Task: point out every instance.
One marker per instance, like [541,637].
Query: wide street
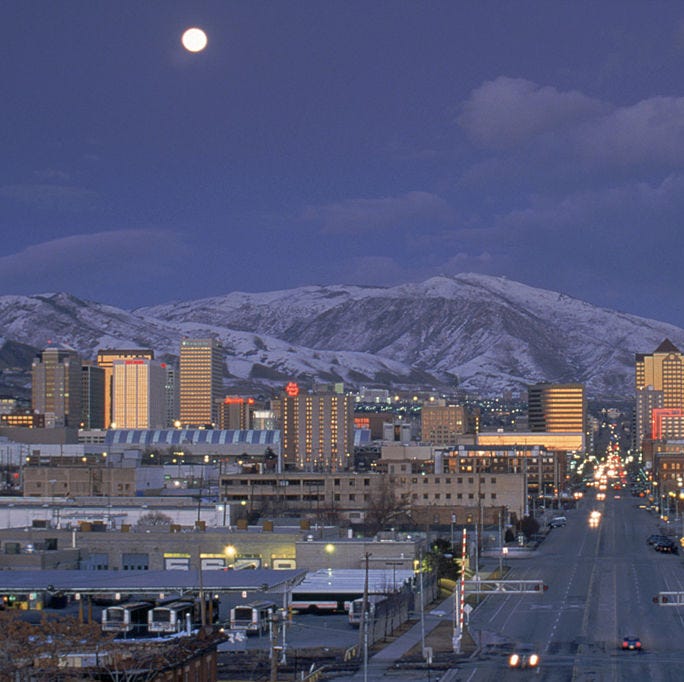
[601,583]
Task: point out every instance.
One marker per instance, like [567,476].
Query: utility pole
[363,635]
[500,546]
[275,622]
[422,604]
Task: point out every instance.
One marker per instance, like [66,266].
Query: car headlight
[534,659]
[514,660]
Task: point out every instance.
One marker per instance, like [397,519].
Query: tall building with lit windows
[56,387]
[441,424]
[105,359]
[318,429]
[557,408]
[139,396]
[236,413]
[659,383]
[664,370]
[201,381]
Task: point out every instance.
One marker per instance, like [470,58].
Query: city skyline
[354,143]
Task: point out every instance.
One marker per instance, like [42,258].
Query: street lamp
[329,550]
[230,552]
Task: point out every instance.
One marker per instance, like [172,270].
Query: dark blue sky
[369,142]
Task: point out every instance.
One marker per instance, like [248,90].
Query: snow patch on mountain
[478,332]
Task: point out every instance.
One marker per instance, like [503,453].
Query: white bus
[374,603]
[254,618]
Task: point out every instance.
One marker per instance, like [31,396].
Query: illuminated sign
[292,389]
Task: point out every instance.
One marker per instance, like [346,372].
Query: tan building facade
[105,359]
[442,424]
[138,394]
[317,430]
[201,381]
[557,408]
[78,481]
[659,384]
[56,387]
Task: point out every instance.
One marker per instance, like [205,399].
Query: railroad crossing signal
[669,599]
[505,586]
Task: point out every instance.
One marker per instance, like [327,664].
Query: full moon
[194,40]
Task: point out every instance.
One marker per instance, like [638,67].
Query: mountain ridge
[476,332]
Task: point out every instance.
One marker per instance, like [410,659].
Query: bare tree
[36,652]
[154,518]
[144,660]
[384,507]
[45,652]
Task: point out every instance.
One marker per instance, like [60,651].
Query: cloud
[506,112]
[651,131]
[359,215]
[558,127]
[62,262]
[49,197]
[619,207]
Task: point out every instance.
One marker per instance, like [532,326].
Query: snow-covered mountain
[481,333]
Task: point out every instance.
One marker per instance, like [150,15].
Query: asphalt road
[601,583]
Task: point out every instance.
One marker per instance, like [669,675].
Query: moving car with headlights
[524,657]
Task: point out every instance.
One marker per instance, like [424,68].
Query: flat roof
[99,582]
[352,580]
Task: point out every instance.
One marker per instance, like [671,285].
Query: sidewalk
[380,662]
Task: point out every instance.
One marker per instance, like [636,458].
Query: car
[666,546]
[556,523]
[655,538]
[524,657]
[631,643]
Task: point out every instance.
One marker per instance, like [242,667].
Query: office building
[441,424]
[659,384]
[105,359]
[201,382]
[172,395]
[557,408]
[138,394]
[92,397]
[236,413]
[318,429]
[664,371]
[56,387]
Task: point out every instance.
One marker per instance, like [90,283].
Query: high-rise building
[659,383]
[318,429]
[139,400]
[557,408]
[648,399]
[105,359]
[172,395]
[201,381]
[664,370]
[56,387]
[236,413]
[92,396]
[441,424]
